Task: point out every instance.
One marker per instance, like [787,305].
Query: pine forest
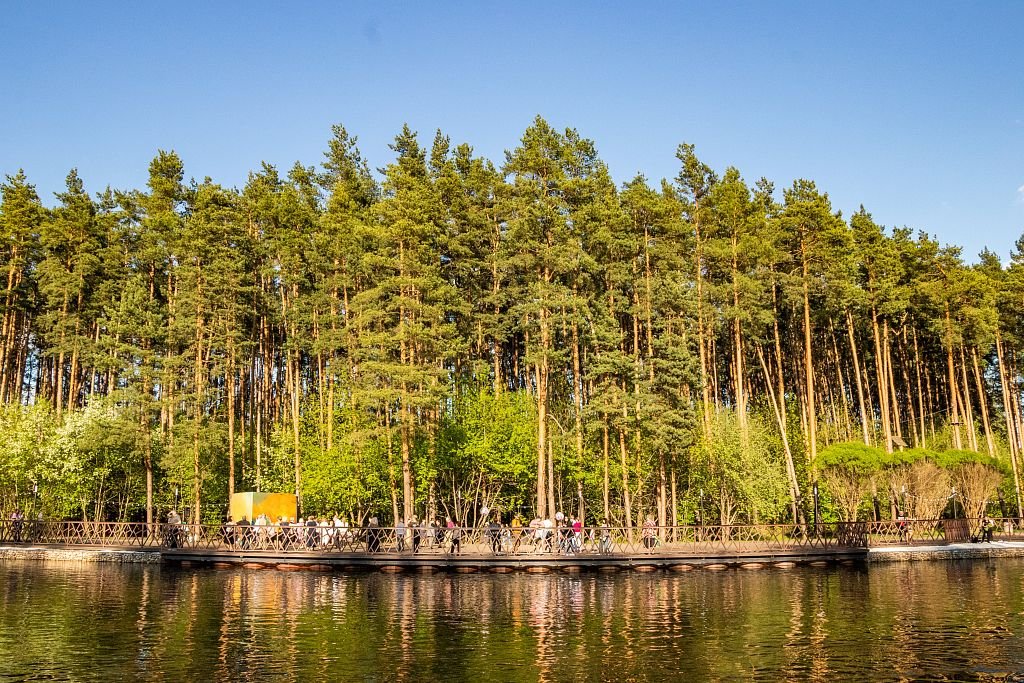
[448,333]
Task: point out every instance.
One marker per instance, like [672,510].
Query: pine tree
[21,219]
[817,238]
[72,239]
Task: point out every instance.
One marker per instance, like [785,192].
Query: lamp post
[814,491]
[35,522]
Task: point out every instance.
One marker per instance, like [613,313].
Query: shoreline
[951,551]
[76,554]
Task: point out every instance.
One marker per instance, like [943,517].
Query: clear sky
[915,109]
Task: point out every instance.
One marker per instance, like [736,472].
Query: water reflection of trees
[135,622]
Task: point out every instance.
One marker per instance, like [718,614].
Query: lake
[101,622]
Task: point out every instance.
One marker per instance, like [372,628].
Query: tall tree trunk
[812,415]
[737,344]
[778,407]
[1011,431]
[198,388]
[407,488]
[296,423]
[147,436]
[705,374]
[577,374]
[495,290]
[605,469]
[951,378]
[856,373]
[230,386]
[894,406]
[920,394]
[882,378]
[58,392]
[989,440]
[841,388]
[542,439]
[968,408]
[627,500]
[909,396]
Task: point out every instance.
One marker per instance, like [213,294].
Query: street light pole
[814,490]
[700,508]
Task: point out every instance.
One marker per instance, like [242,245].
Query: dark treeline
[451,333]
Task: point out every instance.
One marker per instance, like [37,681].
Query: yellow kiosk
[250,505]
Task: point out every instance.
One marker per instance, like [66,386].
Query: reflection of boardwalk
[480,559]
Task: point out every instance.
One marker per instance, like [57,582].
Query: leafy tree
[847,470]
[975,478]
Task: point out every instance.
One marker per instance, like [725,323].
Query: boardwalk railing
[507,541]
[940,531]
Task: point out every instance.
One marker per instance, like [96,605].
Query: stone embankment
[79,554]
[952,551]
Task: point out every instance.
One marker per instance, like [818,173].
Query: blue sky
[915,109]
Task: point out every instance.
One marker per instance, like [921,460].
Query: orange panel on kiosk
[250,505]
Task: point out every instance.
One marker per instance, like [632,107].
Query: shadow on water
[944,620]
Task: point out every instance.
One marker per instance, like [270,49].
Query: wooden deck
[602,549]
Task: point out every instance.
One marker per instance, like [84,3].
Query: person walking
[605,541]
[455,537]
[244,532]
[400,536]
[373,535]
[988,527]
[416,529]
[173,529]
[547,535]
[17,521]
[494,535]
[577,535]
[311,525]
[650,538]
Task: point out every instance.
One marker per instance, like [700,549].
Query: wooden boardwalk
[671,548]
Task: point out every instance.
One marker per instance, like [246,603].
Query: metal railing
[110,534]
[941,531]
[688,540]
[696,540]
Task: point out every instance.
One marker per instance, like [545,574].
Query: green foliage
[345,480]
[853,457]
[85,464]
[847,470]
[952,459]
[493,438]
[745,480]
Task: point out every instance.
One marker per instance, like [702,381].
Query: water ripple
[918,621]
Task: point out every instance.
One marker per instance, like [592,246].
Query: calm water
[945,620]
